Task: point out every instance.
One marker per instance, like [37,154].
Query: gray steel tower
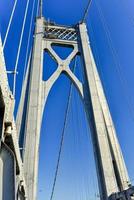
[112,174]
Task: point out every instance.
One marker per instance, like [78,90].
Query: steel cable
[118,69]
[29,37]
[62,136]
[37,11]
[123,81]
[19,47]
[10,22]
[86,11]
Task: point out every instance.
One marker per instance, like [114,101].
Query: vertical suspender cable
[10,22]
[62,141]
[19,48]
[29,37]
[41,8]
[118,69]
[37,11]
[63,135]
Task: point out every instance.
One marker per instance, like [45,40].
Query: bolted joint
[63,66]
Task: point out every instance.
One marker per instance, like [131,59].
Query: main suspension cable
[29,36]
[63,135]
[86,11]
[9,24]
[19,48]
[38,5]
[41,8]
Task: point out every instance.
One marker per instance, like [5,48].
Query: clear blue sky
[111,30]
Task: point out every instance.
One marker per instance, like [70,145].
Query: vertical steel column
[34,95]
[112,173]
[34,114]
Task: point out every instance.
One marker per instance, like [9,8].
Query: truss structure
[60,33]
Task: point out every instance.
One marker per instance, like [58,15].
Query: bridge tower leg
[112,174]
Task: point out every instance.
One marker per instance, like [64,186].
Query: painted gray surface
[112,173]
[106,146]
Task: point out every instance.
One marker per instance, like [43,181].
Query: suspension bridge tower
[113,179]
